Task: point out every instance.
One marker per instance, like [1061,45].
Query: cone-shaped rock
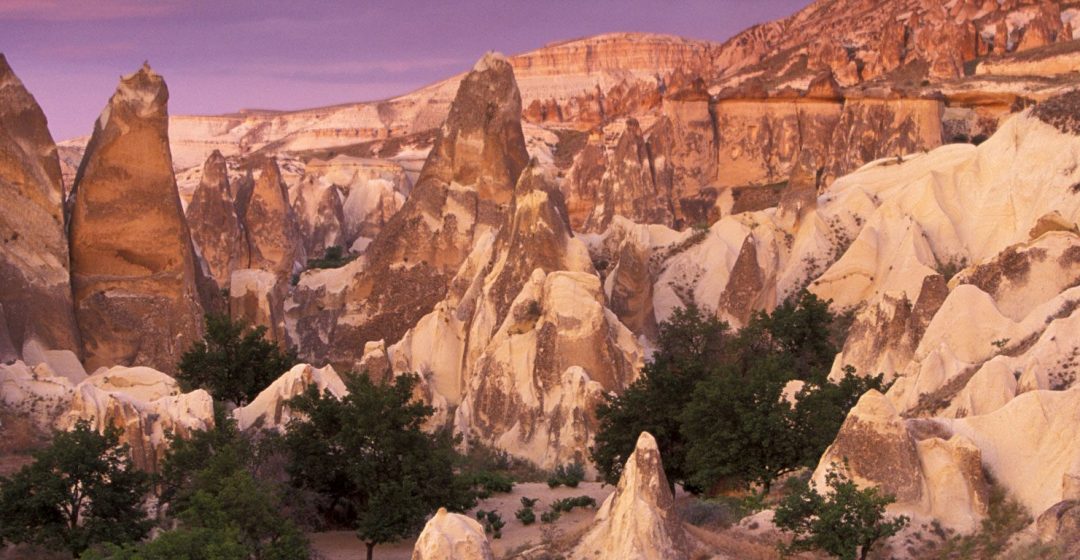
[452,536]
[321,216]
[133,267]
[463,193]
[638,520]
[35,293]
[274,239]
[215,226]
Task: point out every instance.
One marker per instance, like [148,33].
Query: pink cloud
[80,10]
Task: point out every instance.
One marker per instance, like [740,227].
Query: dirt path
[343,545]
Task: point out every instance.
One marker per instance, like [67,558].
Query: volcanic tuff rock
[257,297]
[132,263]
[318,208]
[638,520]
[216,230]
[268,410]
[452,536]
[274,239]
[35,301]
[463,192]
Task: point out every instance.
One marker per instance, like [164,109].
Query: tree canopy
[234,362]
[80,490]
[368,459]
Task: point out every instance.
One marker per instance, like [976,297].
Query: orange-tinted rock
[273,233]
[132,263]
[215,228]
[35,289]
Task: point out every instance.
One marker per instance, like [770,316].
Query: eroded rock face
[638,520]
[452,536]
[268,410]
[274,239]
[463,192]
[35,298]
[318,208]
[216,230]
[132,263]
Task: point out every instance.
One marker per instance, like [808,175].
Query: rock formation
[462,193]
[319,211]
[268,410]
[215,227]
[274,240]
[452,536]
[132,263]
[35,298]
[638,520]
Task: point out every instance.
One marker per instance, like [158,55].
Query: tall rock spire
[133,267]
[35,293]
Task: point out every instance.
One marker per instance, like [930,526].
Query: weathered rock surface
[638,520]
[452,536]
[319,211]
[35,289]
[274,239]
[463,192]
[257,297]
[268,410]
[216,229]
[132,263]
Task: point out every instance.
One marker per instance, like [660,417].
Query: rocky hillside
[516,234]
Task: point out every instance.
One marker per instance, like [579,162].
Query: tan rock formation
[463,192]
[268,410]
[319,211]
[257,297]
[216,230]
[37,392]
[452,536]
[638,520]
[133,267]
[274,239]
[35,297]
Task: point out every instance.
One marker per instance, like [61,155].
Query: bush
[492,522]
[486,483]
[565,505]
[550,516]
[846,522]
[333,257]
[525,515]
[570,475]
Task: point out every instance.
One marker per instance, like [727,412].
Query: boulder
[638,520]
[35,298]
[452,536]
[132,264]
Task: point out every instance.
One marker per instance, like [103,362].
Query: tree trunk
[370,550]
[862,554]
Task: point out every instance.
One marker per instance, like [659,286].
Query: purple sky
[219,56]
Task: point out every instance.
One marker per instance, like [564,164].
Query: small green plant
[1000,343]
[565,505]
[486,483]
[550,516]
[845,521]
[569,475]
[529,502]
[492,522]
[333,257]
[526,515]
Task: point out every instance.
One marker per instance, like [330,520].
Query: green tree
[233,362]
[368,459]
[820,410]
[800,331]
[80,490]
[739,427]
[208,478]
[690,345]
[846,522]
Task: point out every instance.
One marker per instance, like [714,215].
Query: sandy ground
[343,545]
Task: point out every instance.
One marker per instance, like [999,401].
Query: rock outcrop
[274,239]
[452,536]
[319,211]
[216,230]
[463,192]
[35,289]
[268,410]
[132,263]
[638,520]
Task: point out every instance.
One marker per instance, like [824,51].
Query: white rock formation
[637,521]
[268,409]
[452,536]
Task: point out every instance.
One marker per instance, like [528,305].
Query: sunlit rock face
[132,263]
[273,233]
[638,520]
[462,194]
[216,229]
[452,536]
[35,298]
